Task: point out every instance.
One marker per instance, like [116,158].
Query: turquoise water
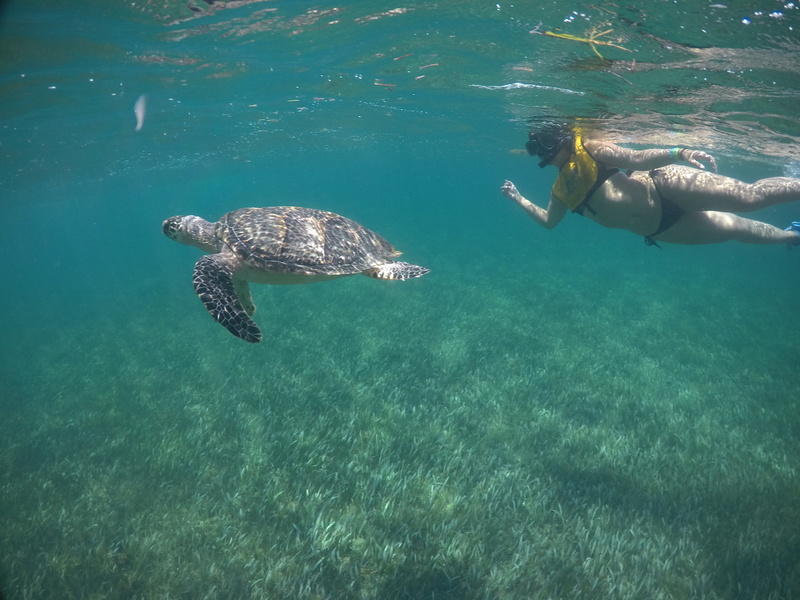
[547,414]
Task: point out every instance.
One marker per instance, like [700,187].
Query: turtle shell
[292,239]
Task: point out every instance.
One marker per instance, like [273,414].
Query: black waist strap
[602,177]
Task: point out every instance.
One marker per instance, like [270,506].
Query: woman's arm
[644,160]
[546,218]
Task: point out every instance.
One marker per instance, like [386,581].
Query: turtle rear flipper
[397,271]
[242,289]
[213,282]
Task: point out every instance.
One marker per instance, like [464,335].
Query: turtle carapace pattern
[279,245]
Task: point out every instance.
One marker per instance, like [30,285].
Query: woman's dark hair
[547,141]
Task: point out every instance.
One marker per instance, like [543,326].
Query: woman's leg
[711,227]
[696,190]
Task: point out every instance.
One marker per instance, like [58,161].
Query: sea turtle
[278,244]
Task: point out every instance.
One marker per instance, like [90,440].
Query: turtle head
[172,228]
[190,230]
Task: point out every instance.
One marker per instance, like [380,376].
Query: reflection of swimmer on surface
[655,198]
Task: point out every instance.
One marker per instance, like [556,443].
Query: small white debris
[139,108]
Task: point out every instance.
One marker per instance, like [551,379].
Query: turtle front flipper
[397,271]
[213,282]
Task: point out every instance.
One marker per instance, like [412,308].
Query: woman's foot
[795,226]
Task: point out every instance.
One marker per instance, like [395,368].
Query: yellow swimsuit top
[577,177]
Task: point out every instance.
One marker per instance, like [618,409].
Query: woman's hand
[693,157]
[510,191]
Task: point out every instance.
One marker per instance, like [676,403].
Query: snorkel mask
[547,142]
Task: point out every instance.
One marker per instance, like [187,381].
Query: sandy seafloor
[547,414]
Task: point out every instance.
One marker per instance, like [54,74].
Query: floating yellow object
[591,40]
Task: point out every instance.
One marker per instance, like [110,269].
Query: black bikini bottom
[670,212]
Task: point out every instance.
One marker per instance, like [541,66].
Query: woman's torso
[626,202]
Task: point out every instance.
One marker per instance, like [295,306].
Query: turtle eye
[171,227]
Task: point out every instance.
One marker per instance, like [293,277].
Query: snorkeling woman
[647,193]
